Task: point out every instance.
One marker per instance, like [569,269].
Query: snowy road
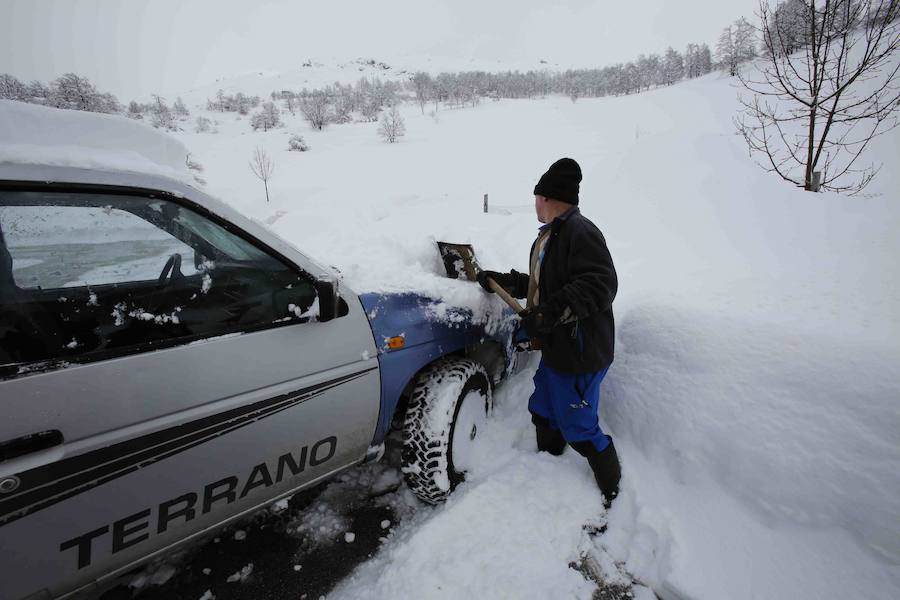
[299,551]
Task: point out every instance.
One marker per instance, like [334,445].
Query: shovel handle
[510,301]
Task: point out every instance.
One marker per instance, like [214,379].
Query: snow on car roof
[34,134]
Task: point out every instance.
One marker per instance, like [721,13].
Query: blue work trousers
[570,403]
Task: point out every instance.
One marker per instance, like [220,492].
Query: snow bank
[757,448]
[33,134]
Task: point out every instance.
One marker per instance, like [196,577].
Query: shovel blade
[459,260]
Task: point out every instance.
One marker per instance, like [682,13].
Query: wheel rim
[469,425]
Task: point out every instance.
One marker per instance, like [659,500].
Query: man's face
[540,207]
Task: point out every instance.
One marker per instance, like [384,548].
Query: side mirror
[328,292]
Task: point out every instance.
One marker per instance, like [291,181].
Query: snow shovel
[460,263]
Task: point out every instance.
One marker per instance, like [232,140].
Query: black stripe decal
[49,484]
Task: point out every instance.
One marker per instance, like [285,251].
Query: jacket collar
[558,221]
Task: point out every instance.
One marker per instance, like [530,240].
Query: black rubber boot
[548,439]
[605,465]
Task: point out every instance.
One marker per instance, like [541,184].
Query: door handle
[32,442]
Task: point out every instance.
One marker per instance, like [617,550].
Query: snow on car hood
[33,134]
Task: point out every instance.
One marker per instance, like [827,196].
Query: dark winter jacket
[577,272]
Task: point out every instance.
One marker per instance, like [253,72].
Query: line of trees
[70,91]
[366,99]
[159,113]
[238,103]
[339,103]
[75,92]
[645,72]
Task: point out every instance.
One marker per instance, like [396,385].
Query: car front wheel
[447,411]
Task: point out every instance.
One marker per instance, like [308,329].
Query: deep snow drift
[755,397]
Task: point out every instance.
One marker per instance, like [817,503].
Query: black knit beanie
[560,182]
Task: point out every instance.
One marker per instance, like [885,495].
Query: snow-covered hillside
[756,393]
[755,397]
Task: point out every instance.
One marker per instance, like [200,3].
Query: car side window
[86,276]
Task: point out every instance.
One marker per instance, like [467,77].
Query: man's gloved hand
[506,280]
[483,276]
[539,320]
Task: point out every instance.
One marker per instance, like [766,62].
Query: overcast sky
[134,47]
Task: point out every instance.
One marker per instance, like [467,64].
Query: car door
[160,373]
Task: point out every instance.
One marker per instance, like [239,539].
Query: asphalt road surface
[299,552]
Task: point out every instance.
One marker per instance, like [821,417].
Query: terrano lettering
[136,528]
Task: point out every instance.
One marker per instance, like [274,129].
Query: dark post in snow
[816,181]
[485,203]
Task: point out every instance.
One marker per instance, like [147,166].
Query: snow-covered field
[755,397]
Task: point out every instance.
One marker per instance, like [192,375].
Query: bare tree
[672,66]
[792,31]
[650,70]
[11,88]
[315,109]
[290,102]
[811,114]
[267,118]
[421,82]
[370,110]
[75,92]
[181,111]
[392,126]
[263,167]
[135,110]
[161,115]
[343,108]
[745,40]
[203,124]
[297,144]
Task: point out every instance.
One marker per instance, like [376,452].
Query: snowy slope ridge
[33,134]
[320,72]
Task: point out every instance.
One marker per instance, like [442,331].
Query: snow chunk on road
[242,575]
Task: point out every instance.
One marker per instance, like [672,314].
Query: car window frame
[17,370]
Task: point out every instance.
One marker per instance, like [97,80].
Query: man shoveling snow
[568,316]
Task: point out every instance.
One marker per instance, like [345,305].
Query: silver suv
[167,365]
